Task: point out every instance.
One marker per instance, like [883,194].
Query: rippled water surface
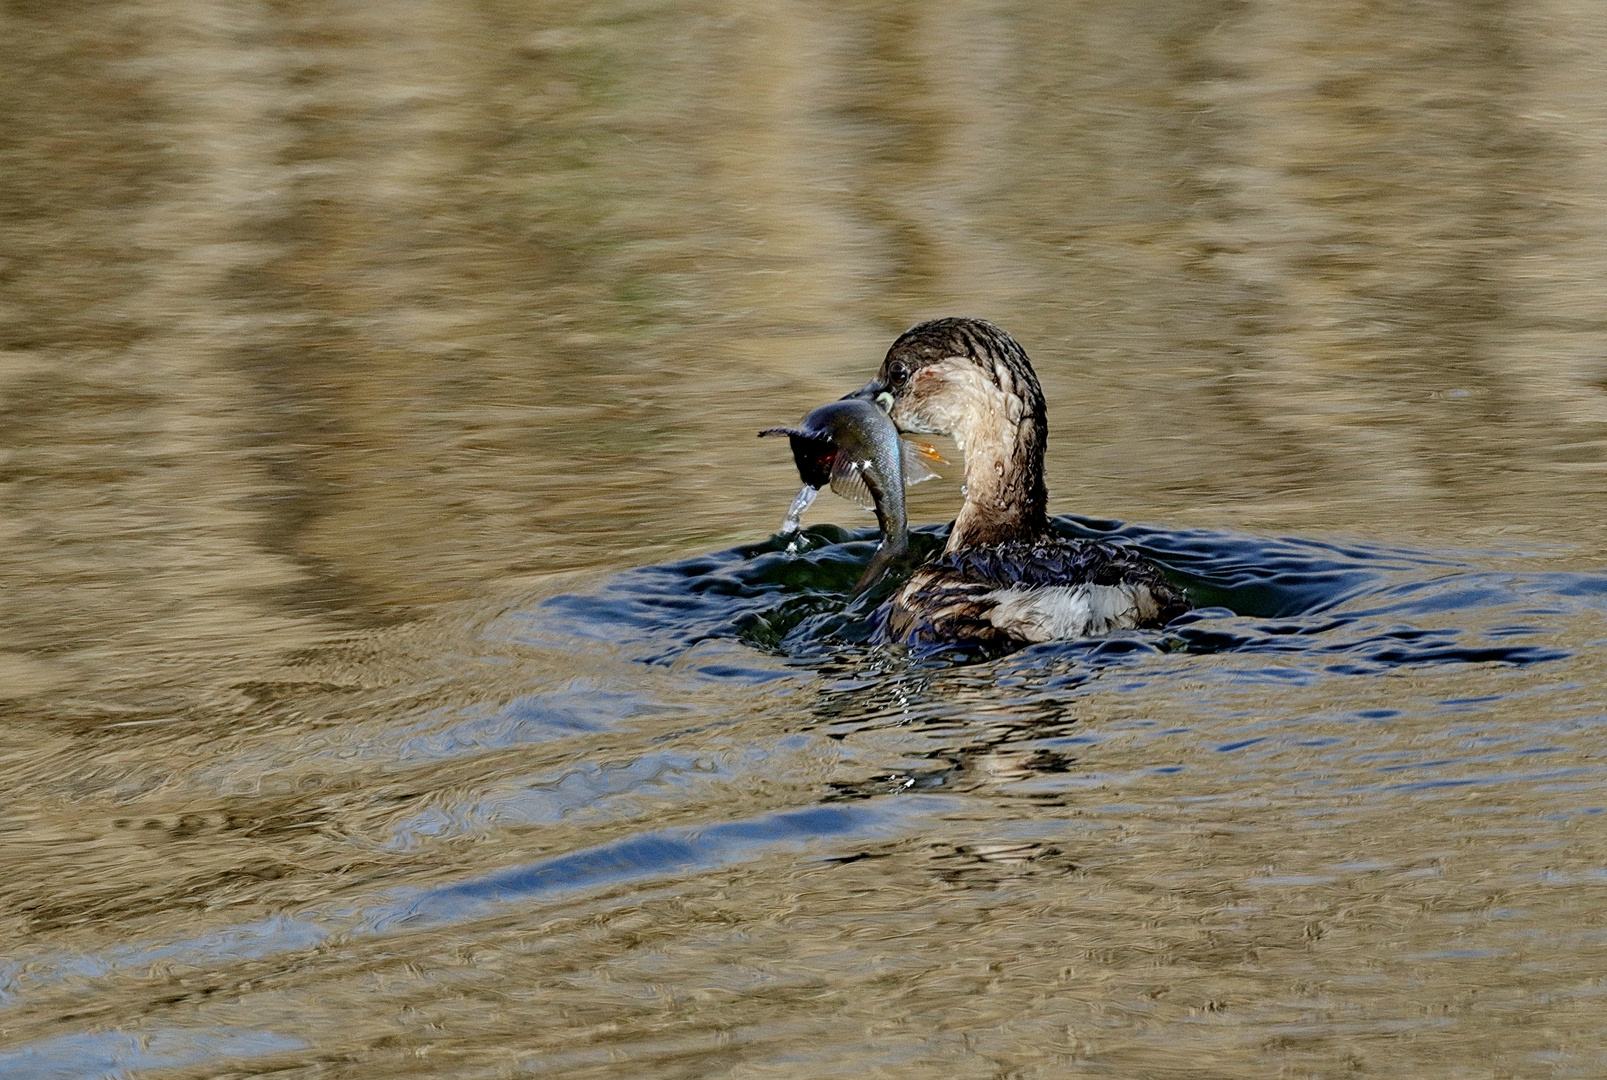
[399,677]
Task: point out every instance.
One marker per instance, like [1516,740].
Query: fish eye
[898,374]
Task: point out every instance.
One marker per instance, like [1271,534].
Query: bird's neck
[1005,497]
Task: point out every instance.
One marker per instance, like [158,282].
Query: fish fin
[848,480]
[778,431]
[916,455]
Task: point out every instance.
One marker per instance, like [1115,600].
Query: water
[399,676]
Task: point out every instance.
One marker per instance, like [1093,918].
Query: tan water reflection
[331,331]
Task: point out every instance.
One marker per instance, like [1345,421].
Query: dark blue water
[1346,607]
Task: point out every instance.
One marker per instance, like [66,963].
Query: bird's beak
[874,391]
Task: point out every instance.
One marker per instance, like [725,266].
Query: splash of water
[804,500]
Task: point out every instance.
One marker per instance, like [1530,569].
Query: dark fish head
[849,445]
[814,454]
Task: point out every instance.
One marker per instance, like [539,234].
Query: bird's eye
[898,374]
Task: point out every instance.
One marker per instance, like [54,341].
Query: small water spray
[805,499]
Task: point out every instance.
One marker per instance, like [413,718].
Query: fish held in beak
[852,447]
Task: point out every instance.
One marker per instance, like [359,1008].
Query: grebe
[1004,580]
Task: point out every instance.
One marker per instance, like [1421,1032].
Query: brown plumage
[1004,579]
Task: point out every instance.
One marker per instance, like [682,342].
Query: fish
[852,447]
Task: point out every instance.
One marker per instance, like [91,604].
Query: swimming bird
[1004,579]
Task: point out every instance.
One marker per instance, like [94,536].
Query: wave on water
[1346,607]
